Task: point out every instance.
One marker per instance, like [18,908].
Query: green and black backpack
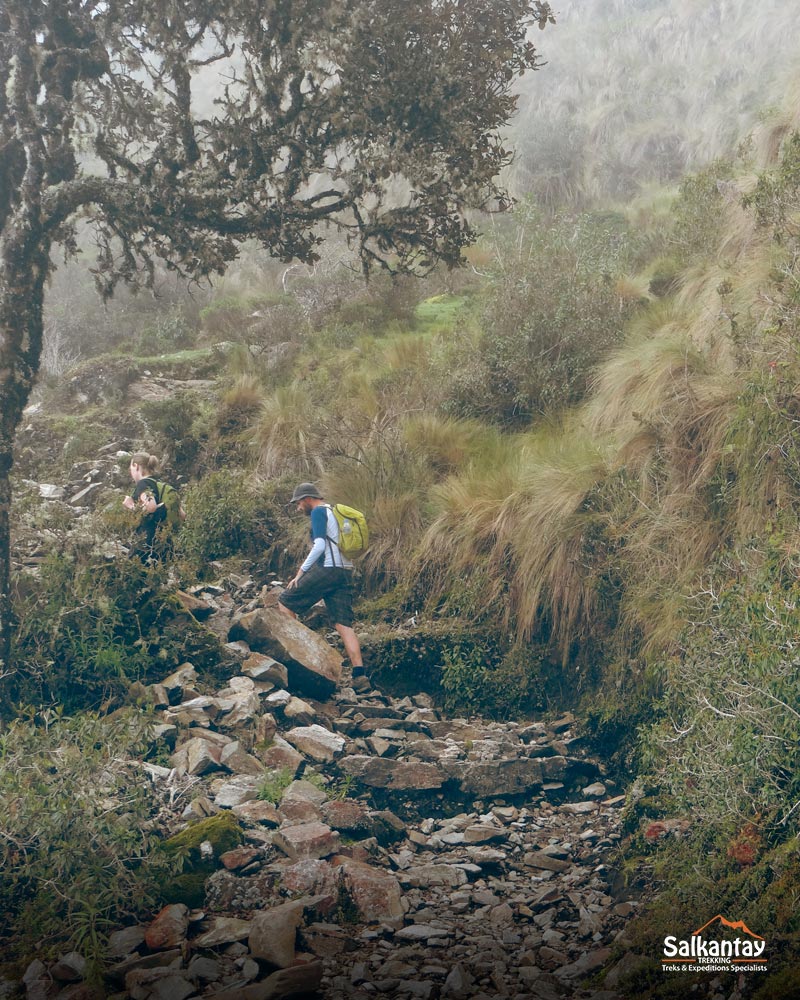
[169,496]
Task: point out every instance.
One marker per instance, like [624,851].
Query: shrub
[81,623]
[729,746]
[169,332]
[173,427]
[89,627]
[698,216]
[256,319]
[227,514]
[77,855]
[552,312]
[491,682]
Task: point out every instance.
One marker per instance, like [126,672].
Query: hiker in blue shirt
[325,574]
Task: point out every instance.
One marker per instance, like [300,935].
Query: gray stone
[434,875]
[223,930]
[237,760]
[316,742]
[273,933]
[264,668]
[298,710]
[314,667]
[459,983]
[301,979]
[391,774]
[307,840]
[257,813]
[421,932]
[238,790]
[496,779]
[124,942]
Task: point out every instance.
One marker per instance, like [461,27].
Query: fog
[637,92]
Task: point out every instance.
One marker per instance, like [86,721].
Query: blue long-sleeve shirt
[324,537]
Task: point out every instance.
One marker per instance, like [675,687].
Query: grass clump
[274,784]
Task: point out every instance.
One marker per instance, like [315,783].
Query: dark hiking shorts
[323,583]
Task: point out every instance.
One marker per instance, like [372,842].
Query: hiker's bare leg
[351,644]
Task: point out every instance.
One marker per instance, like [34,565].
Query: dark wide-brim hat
[305,490]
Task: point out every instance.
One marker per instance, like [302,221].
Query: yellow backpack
[353,530]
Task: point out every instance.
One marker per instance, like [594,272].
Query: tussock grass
[408,352]
[447,444]
[246,392]
[642,380]
[520,528]
[284,435]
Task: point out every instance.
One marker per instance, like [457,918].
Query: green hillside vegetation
[581,468]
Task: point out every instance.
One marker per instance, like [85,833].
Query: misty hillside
[636,92]
[579,459]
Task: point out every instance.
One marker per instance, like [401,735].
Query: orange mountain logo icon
[735,925]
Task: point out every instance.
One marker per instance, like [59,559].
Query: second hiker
[159,507]
[325,574]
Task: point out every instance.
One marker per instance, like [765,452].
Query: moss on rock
[222,831]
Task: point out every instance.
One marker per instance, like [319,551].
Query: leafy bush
[385,300]
[174,427]
[227,514]
[257,319]
[491,683]
[78,625]
[730,742]
[89,628]
[552,313]
[698,215]
[78,852]
[169,332]
[776,193]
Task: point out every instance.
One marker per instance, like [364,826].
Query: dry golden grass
[408,352]
[246,391]
[633,288]
[642,379]
[447,444]
[519,530]
[284,435]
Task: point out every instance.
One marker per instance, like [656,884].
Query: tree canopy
[176,130]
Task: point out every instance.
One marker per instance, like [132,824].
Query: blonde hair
[147,463]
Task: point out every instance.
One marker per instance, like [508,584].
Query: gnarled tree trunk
[23,270]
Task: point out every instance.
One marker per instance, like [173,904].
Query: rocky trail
[380,849]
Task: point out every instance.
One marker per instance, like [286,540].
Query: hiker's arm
[128,503]
[319,526]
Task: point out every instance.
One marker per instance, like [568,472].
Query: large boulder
[314,668]
[396,775]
